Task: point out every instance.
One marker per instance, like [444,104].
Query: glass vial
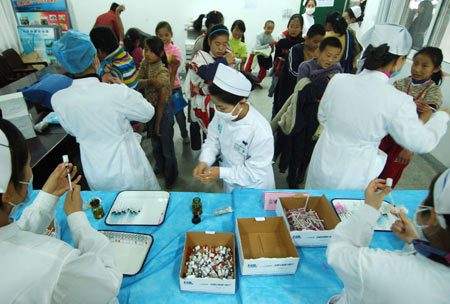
[97,209]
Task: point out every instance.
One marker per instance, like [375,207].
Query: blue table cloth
[158,282]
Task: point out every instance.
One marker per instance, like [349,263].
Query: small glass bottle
[97,209]
[196,210]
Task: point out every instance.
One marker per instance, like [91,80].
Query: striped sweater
[123,67]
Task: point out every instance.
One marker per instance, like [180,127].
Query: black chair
[6,73]
[16,63]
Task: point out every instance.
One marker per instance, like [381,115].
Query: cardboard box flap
[318,203]
[265,239]
[212,239]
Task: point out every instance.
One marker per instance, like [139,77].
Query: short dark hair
[315,30]
[338,23]
[296,16]
[104,39]
[161,25]
[306,3]
[436,57]
[269,21]
[114,6]
[216,31]
[377,57]
[18,149]
[330,41]
[241,26]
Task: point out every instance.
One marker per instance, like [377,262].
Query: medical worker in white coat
[98,115]
[418,274]
[357,111]
[36,268]
[238,134]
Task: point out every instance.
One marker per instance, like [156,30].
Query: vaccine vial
[196,210]
[97,209]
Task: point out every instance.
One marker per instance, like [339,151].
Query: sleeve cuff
[46,201]
[441,115]
[77,220]
[224,172]
[207,160]
[368,214]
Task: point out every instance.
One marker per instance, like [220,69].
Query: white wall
[146,14]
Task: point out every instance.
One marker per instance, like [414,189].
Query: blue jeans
[163,147]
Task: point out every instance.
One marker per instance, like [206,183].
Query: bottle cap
[95,202]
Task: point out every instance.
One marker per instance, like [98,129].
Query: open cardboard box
[265,247]
[208,285]
[270,197]
[320,204]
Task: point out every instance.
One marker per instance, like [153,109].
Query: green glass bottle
[196,210]
[97,209]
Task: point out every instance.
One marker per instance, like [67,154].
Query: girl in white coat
[357,111]
[36,268]
[418,274]
[238,134]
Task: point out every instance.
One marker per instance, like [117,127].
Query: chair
[16,63]
[7,74]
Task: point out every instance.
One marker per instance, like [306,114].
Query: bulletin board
[42,13]
[324,7]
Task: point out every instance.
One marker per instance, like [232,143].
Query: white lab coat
[381,276]
[308,21]
[246,151]
[36,268]
[356,112]
[99,115]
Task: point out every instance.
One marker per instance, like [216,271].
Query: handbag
[178,102]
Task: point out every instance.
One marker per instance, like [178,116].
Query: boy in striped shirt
[115,61]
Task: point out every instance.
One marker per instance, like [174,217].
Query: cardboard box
[208,285]
[320,204]
[270,198]
[265,247]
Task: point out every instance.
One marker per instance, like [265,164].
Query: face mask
[17,207]
[228,116]
[310,10]
[420,228]
[396,73]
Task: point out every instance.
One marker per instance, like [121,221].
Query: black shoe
[169,184]
[292,184]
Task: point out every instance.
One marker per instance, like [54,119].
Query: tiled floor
[416,176]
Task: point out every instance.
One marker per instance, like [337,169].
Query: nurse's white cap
[441,195]
[5,162]
[356,11]
[395,36]
[232,81]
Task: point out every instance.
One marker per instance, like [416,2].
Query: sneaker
[186,140]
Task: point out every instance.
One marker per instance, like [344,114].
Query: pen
[66,164]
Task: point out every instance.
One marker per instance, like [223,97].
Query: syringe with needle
[66,164]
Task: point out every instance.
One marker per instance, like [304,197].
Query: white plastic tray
[152,205]
[384,222]
[130,250]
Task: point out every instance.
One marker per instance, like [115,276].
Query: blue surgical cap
[74,51]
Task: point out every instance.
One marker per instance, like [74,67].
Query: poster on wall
[325,3]
[42,13]
[39,39]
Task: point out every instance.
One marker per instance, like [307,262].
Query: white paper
[325,3]
[14,109]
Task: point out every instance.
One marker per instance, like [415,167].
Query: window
[426,20]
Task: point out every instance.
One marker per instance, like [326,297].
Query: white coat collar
[375,74]
[84,81]
[8,231]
